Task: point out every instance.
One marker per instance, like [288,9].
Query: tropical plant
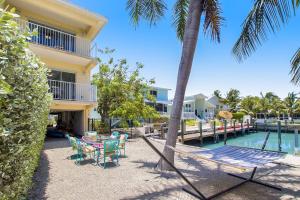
[266,102]
[292,104]
[238,115]
[218,94]
[232,100]
[266,16]
[187,16]
[24,109]
[277,107]
[121,94]
[249,105]
[295,69]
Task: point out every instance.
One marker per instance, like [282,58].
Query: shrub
[23,111]
[191,122]
[238,115]
[161,119]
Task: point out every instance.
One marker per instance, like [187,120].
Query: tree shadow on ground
[54,143]
[212,180]
[40,179]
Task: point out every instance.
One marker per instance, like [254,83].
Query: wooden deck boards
[195,134]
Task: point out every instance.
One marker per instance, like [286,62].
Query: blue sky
[214,66]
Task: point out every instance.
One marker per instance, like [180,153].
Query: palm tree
[295,70]
[292,105]
[249,105]
[266,102]
[266,16]
[277,107]
[232,100]
[187,15]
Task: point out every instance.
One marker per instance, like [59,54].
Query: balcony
[60,40]
[69,91]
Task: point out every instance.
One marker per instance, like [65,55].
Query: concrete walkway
[59,178]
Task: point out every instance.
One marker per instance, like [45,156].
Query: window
[62,85]
[188,108]
[153,93]
[62,76]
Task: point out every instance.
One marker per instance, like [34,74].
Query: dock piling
[215,133]
[234,131]
[279,135]
[296,139]
[183,130]
[242,127]
[200,130]
[248,127]
[225,132]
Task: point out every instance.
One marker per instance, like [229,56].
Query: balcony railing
[57,39]
[69,91]
[188,115]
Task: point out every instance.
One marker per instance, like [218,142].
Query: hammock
[242,158]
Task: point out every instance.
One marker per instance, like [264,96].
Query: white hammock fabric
[240,156]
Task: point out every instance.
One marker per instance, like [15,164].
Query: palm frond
[180,14]
[295,68]
[212,19]
[154,10]
[135,8]
[150,10]
[266,16]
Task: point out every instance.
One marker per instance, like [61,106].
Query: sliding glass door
[62,85]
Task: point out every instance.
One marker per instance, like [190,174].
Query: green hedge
[238,115]
[23,111]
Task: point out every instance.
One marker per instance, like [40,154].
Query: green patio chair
[122,143]
[82,150]
[115,135]
[68,137]
[110,150]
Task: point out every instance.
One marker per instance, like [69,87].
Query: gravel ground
[135,178]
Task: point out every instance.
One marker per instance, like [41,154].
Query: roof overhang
[64,12]
[44,52]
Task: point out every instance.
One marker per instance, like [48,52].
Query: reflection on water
[256,140]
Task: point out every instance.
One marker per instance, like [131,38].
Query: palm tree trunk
[189,45]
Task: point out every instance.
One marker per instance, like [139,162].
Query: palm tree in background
[292,105]
[266,16]
[249,105]
[187,15]
[232,99]
[277,108]
[265,103]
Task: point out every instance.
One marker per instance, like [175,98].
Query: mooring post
[248,127]
[279,135]
[297,147]
[286,126]
[296,138]
[225,132]
[182,131]
[234,131]
[256,127]
[214,130]
[201,133]
[265,123]
[242,127]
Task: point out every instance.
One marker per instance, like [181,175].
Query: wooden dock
[214,133]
